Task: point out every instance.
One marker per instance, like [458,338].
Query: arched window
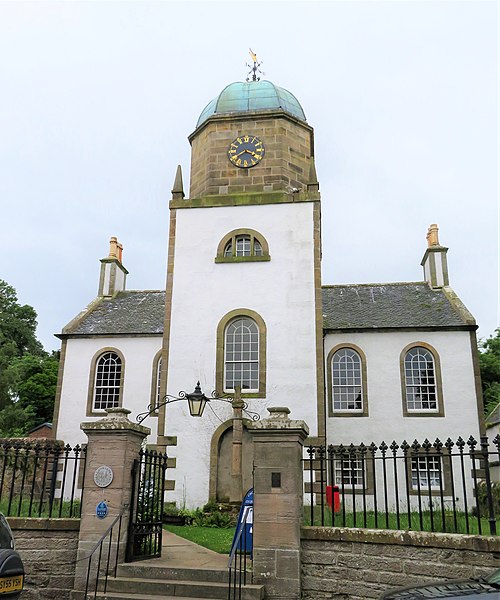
[422,381]
[241,353]
[106,383]
[241,360]
[242,245]
[155,383]
[347,382]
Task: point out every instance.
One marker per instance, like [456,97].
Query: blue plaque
[101,510]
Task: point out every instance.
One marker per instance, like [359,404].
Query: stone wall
[356,564]
[288,149]
[48,550]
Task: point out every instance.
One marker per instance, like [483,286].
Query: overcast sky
[97,100]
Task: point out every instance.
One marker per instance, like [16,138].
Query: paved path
[180,553]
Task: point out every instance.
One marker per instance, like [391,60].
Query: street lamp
[196,403]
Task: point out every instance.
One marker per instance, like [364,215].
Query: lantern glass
[196,405]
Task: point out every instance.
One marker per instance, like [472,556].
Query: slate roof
[355,306]
[390,305]
[494,417]
[140,312]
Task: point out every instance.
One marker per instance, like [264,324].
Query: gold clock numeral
[245,151]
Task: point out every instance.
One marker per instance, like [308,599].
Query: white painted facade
[385,420]
[139,354]
[281,291]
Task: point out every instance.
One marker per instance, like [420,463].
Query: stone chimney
[113,273]
[434,261]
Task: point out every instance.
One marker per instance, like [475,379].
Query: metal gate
[146,512]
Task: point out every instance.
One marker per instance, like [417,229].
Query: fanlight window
[347,381]
[241,355]
[420,380]
[243,245]
[107,381]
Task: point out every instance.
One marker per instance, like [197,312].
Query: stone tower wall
[288,149]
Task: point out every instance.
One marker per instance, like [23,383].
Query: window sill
[241,259]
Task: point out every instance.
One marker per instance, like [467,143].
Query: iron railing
[41,479]
[98,570]
[240,557]
[146,515]
[451,487]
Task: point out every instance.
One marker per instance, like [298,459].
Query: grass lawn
[458,523]
[213,538]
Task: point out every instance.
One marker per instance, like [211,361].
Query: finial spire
[254,69]
[178,189]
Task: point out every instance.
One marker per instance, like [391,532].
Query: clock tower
[243,294]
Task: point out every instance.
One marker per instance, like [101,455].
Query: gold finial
[254,69]
[432,235]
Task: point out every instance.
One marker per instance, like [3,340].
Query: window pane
[158,379]
[349,472]
[228,250]
[257,248]
[243,245]
[420,380]
[425,472]
[107,381]
[242,355]
[346,380]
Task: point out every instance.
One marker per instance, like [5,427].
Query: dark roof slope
[390,305]
[494,417]
[140,312]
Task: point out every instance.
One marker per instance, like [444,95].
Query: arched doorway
[221,462]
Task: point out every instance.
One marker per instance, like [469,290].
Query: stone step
[123,596]
[150,571]
[142,588]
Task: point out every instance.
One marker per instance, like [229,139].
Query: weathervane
[254,69]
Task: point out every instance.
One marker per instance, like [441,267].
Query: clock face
[246,151]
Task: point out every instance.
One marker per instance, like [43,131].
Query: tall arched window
[347,381]
[241,353]
[422,381]
[241,360]
[106,383]
[155,383]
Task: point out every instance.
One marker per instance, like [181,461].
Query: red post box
[333,497]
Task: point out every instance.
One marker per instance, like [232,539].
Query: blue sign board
[101,510]
[243,536]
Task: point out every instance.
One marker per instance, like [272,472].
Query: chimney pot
[432,235]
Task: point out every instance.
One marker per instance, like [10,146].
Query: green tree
[28,374]
[33,384]
[489,362]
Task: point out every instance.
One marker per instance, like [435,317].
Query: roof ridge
[334,285]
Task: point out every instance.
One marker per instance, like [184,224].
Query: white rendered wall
[281,291]
[385,405]
[138,353]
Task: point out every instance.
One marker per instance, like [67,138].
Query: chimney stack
[434,261]
[113,274]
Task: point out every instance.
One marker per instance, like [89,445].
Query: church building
[244,313]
